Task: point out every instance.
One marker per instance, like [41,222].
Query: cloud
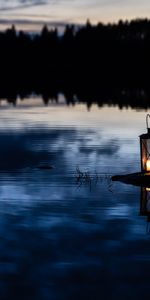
[77,10]
[38,22]
[9,5]
[32,148]
[110,148]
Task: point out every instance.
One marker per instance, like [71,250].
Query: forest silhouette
[83,61]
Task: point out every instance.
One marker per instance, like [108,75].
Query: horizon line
[8,23]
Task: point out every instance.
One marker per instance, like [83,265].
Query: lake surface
[64,236]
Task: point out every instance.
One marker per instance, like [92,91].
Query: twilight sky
[30,14]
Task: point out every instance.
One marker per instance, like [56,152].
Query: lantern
[145,148]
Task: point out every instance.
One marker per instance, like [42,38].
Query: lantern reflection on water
[145,201]
[145,205]
[145,149]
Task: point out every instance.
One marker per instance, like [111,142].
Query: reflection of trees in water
[80,62]
[123,98]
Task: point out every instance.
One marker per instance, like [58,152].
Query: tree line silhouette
[82,59]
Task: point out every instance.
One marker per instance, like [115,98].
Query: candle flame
[148,165]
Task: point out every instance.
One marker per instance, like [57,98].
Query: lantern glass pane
[145,154]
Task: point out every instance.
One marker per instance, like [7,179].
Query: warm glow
[148,189]
[148,165]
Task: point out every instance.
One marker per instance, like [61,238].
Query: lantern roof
[145,135]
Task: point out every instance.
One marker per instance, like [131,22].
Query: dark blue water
[64,236]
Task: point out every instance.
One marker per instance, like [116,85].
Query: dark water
[62,237]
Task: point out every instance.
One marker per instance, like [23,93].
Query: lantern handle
[147,116]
